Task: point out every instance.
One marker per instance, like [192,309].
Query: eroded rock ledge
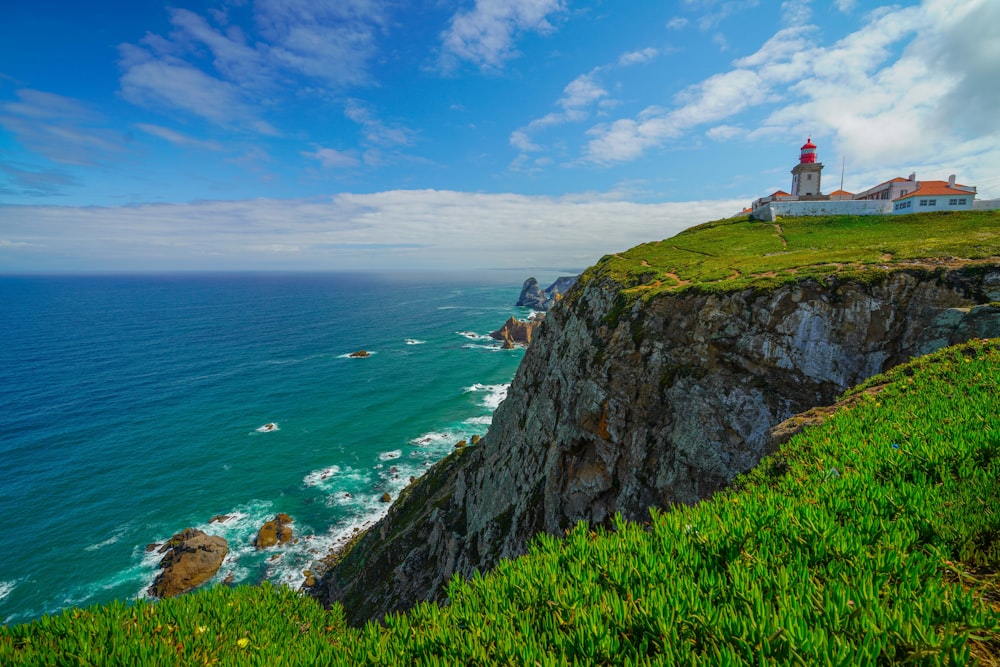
[665,402]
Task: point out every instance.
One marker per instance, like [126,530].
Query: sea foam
[6,588]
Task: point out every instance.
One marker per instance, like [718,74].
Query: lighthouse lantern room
[806,174]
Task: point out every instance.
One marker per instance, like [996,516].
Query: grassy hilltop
[737,253]
[872,538]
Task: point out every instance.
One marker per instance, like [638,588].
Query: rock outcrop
[622,404]
[518,332]
[192,558]
[274,532]
[533,296]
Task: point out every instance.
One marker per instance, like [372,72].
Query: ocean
[133,407]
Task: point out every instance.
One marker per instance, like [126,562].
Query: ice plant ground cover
[873,538]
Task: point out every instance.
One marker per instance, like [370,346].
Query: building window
[952,202]
[931,202]
[809,177]
[923,202]
[903,192]
[961,202]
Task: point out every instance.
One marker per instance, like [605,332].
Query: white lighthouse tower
[806,174]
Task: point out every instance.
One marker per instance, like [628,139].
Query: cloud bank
[418,229]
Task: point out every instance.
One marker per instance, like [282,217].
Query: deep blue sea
[130,409]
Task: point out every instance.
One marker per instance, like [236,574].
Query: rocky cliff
[533,296]
[624,404]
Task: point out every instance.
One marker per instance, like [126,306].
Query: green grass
[873,538]
[735,254]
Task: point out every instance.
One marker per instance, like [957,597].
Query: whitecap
[100,545]
[472,335]
[317,477]
[432,438]
[496,347]
[485,420]
[6,588]
[414,341]
[495,393]
[389,456]
[268,427]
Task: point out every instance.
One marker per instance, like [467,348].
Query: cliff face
[616,409]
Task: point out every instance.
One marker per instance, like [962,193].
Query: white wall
[985,204]
[772,210]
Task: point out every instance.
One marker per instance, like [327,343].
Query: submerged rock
[360,354]
[192,558]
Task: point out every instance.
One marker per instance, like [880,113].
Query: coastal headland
[656,380]
[681,473]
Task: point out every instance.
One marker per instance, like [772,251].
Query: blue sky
[338,134]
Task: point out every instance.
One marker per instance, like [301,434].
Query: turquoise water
[131,406]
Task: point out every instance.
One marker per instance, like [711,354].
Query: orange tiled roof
[841,192]
[779,193]
[935,188]
[898,179]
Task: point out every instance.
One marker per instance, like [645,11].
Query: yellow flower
[243,642]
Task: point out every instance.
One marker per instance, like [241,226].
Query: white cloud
[637,57]
[677,23]
[395,229]
[484,36]
[234,59]
[376,131]
[845,6]
[796,12]
[716,11]
[332,159]
[34,182]
[330,41]
[520,140]
[176,137]
[714,99]
[578,96]
[60,128]
[725,132]
[581,91]
[912,85]
[156,82]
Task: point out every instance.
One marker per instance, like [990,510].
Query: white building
[936,196]
[898,195]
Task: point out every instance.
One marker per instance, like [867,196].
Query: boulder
[386,498]
[274,532]
[360,354]
[191,559]
[515,331]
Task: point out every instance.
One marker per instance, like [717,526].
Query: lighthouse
[806,174]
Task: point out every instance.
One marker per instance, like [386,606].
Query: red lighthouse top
[808,155]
